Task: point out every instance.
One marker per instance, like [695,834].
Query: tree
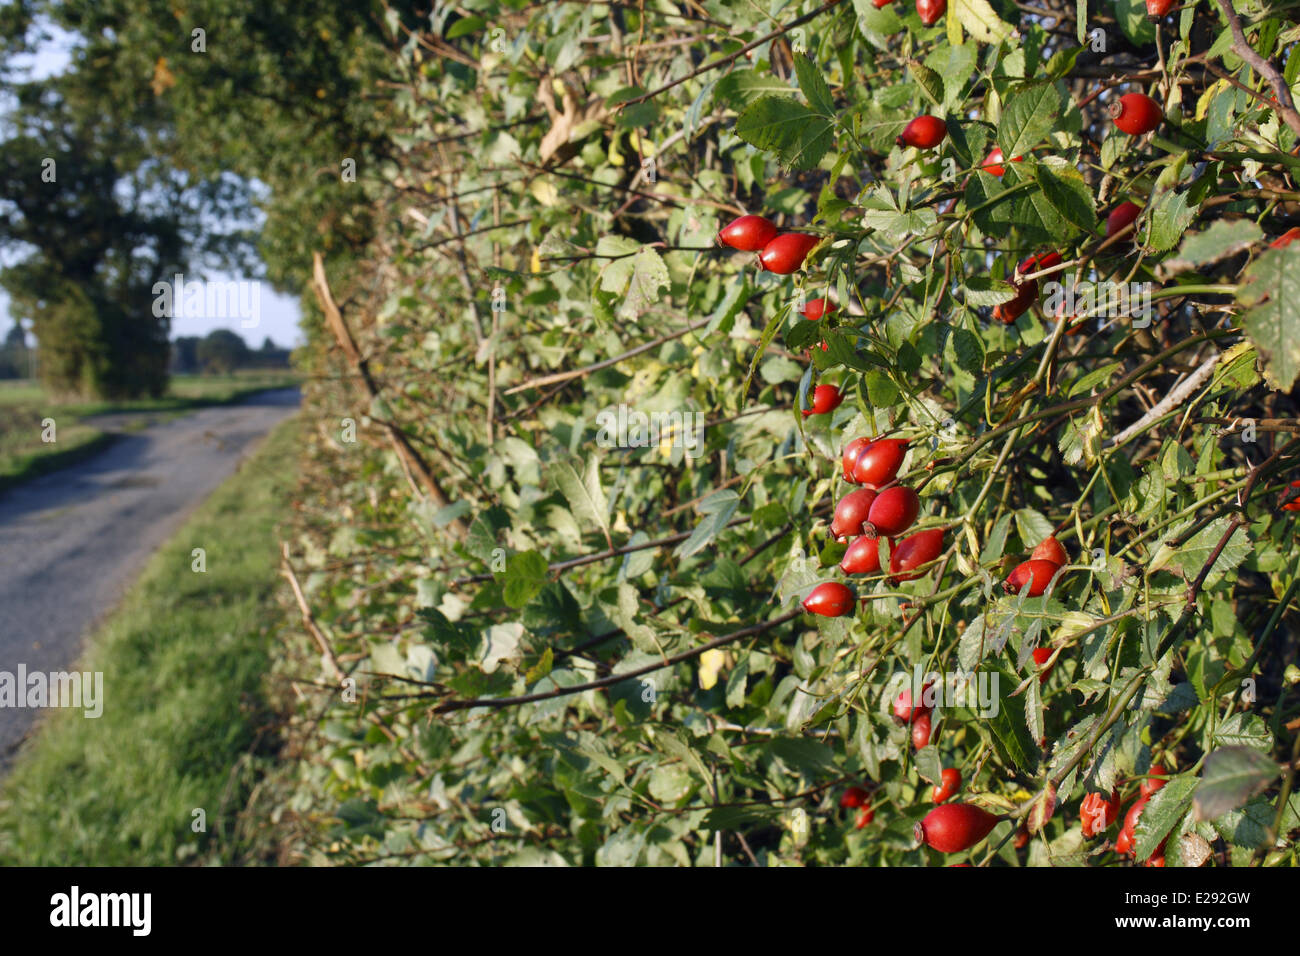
[222,351]
[185,359]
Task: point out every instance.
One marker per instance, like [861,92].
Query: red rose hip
[914,551]
[1098,812]
[1041,656]
[748,233]
[924,132]
[953,827]
[831,599]
[816,308]
[853,797]
[876,463]
[786,253]
[1051,550]
[1136,113]
[863,557]
[1121,218]
[894,510]
[921,730]
[949,783]
[851,512]
[1038,572]
[826,398]
[931,10]
[1155,781]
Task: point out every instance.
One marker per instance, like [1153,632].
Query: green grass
[24,405]
[187,720]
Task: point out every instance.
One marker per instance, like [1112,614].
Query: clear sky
[278,315]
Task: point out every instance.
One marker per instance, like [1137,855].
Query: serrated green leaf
[1230,777]
[1162,812]
[1223,238]
[1169,220]
[1064,188]
[798,136]
[813,86]
[1271,290]
[928,81]
[583,491]
[1010,729]
[1027,117]
[525,576]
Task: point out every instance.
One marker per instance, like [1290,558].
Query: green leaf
[928,764]
[1162,812]
[984,290]
[930,82]
[878,25]
[1009,726]
[881,390]
[583,491]
[670,783]
[1193,554]
[638,278]
[1064,188]
[1032,527]
[899,225]
[769,332]
[798,136]
[742,87]
[813,86]
[1244,730]
[465,26]
[525,576]
[1223,238]
[803,756]
[1230,777]
[1169,220]
[1027,117]
[718,510]
[1271,290]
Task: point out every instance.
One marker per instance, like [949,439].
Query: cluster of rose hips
[783,253]
[917,715]
[856,798]
[779,252]
[1097,812]
[881,508]
[1047,559]
[884,509]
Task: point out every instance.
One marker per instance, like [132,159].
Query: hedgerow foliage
[546,254]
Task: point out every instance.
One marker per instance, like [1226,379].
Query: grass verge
[24,406]
[187,723]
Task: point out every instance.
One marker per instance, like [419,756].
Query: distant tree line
[222,351]
[219,352]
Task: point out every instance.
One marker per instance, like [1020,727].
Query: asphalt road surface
[73,540]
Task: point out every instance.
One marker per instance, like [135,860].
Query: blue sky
[278,314]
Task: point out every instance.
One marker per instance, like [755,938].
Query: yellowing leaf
[544,192]
[980,20]
[710,664]
[1203,104]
